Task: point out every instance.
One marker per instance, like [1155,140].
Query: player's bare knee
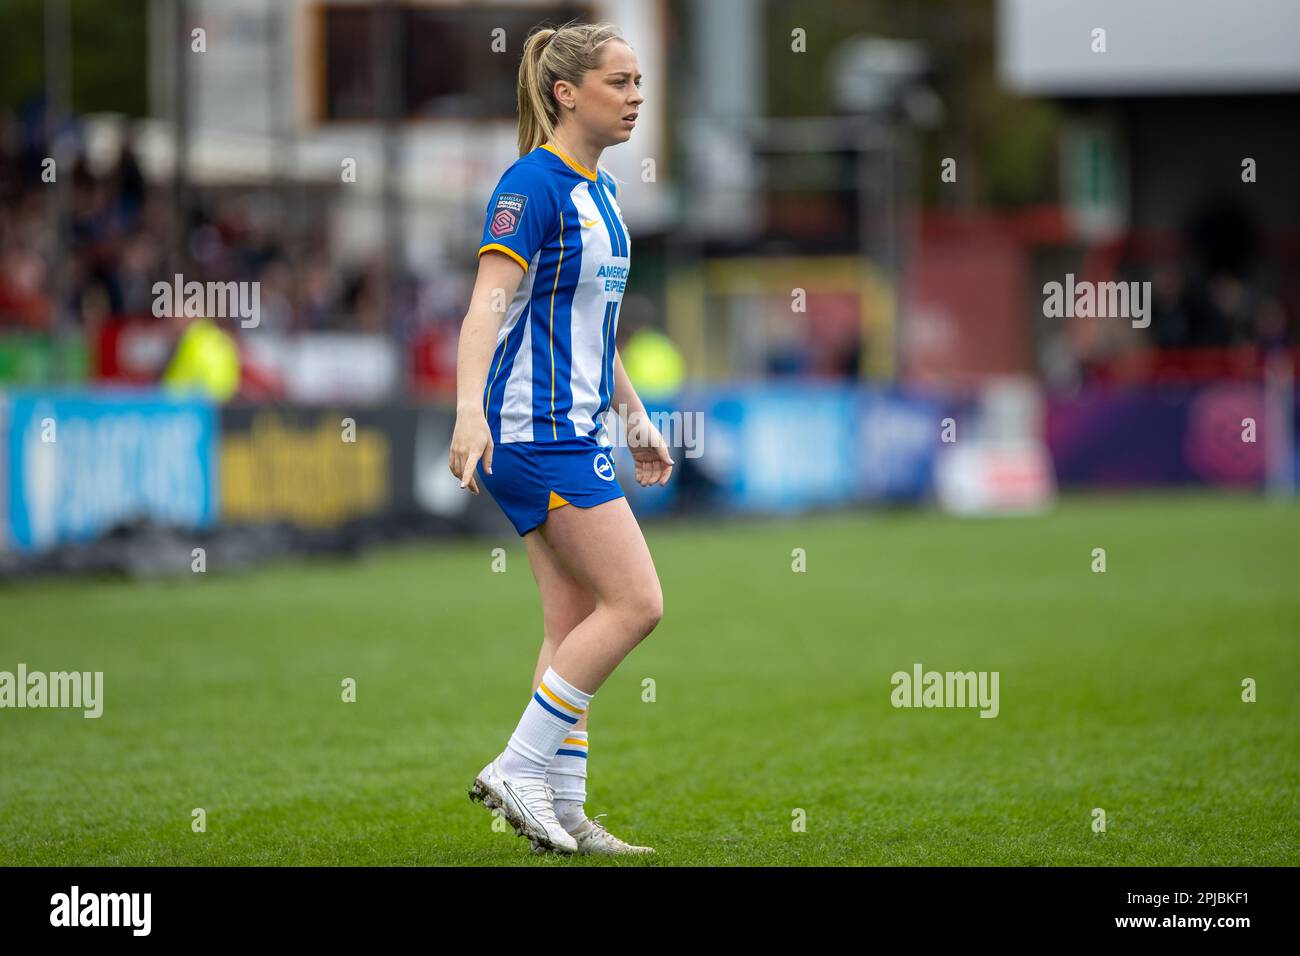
[556,627]
[656,608]
[643,609]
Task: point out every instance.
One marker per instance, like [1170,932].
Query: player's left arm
[626,401]
[654,464]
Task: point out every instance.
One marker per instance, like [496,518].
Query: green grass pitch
[1120,691]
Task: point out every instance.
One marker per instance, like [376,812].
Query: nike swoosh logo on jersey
[588,223]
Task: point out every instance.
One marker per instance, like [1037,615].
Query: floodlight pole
[177,253]
[388,64]
[58,92]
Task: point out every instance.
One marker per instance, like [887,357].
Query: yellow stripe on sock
[563,703]
[575,740]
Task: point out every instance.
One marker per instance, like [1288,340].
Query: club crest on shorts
[602,466]
[507,214]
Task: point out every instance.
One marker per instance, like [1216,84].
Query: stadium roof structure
[1169,47]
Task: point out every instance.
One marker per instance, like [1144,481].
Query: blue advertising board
[75,463]
[777,446]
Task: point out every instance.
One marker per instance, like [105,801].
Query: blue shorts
[530,478]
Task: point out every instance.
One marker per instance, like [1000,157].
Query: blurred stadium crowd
[120,227]
[803,268]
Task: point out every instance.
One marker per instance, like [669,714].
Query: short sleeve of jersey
[521,213]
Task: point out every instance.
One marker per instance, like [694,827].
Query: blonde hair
[551,55]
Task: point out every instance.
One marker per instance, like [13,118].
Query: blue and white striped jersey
[552,373]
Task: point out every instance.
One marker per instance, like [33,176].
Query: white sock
[549,717]
[567,776]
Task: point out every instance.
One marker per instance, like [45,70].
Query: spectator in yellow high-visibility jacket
[653,363]
[206,360]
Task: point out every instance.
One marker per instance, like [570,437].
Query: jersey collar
[573,164]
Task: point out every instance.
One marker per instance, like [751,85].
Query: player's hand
[654,465]
[470,441]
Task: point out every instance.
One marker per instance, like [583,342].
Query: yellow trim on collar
[573,164]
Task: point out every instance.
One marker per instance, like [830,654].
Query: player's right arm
[520,215]
[498,277]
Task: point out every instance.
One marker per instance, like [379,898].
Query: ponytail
[550,55]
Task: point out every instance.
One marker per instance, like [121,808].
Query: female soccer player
[532,396]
